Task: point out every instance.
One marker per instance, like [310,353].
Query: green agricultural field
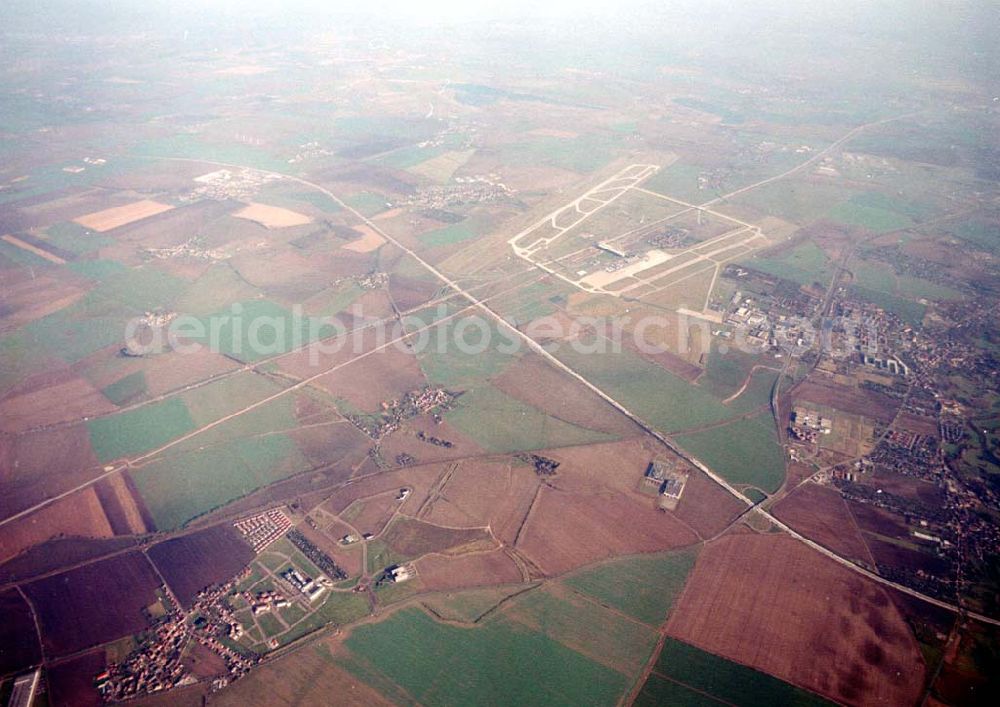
[358,127]
[720,678]
[11,253]
[442,359]
[679,181]
[743,452]
[983,234]
[256,329]
[470,605]
[339,608]
[130,433]
[217,287]
[500,423]
[655,395]
[215,400]
[438,664]
[85,327]
[277,415]
[873,218]
[658,691]
[381,556]
[126,390]
[333,300]
[880,277]
[97,269]
[644,587]
[413,538]
[196,147]
[20,357]
[76,239]
[584,154]
[441,168]
[409,156]
[918,288]
[757,393]
[725,373]
[141,288]
[270,625]
[455,233]
[804,264]
[878,200]
[530,302]
[795,201]
[584,626]
[183,486]
[907,310]
[366,203]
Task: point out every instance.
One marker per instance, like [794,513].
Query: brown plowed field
[79,515]
[371,515]
[93,604]
[770,602]
[419,479]
[347,558]
[409,292]
[193,562]
[607,465]
[470,496]
[120,505]
[485,493]
[325,355]
[413,538]
[62,401]
[387,374]
[666,360]
[479,569]
[924,492]
[48,463]
[306,677]
[25,300]
[852,400]
[71,683]
[283,272]
[541,386]
[820,514]
[164,375]
[17,634]
[406,441]
[568,530]
[888,554]
[706,506]
[619,466]
[331,443]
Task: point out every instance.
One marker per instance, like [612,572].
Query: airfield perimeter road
[480,304]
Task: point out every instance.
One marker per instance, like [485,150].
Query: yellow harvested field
[108,219]
[272,216]
[367,243]
[13,240]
